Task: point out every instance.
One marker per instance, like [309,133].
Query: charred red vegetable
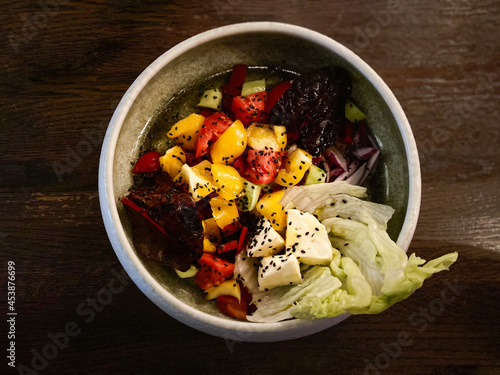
[166,224]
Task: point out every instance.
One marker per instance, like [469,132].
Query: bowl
[396,182]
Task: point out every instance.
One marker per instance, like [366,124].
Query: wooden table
[64,66]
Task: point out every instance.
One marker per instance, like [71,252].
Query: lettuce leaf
[355,292]
[344,206]
[392,276]
[275,305]
[368,273]
[307,198]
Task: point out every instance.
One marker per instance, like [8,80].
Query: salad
[260,203]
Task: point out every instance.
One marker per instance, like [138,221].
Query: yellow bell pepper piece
[280,132]
[230,144]
[227,181]
[187,130]
[196,180]
[204,170]
[262,137]
[172,161]
[295,168]
[224,212]
[269,206]
[211,235]
[227,288]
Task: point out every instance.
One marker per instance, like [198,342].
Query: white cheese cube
[266,240]
[278,270]
[308,239]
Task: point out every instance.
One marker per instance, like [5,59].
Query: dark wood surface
[60,81]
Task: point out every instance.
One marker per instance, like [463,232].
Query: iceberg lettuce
[276,304]
[392,276]
[368,274]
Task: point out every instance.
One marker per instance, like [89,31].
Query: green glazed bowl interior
[396,181]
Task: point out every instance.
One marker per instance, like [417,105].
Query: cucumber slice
[211,99]
[250,197]
[189,273]
[315,175]
[353,113]
[251,87]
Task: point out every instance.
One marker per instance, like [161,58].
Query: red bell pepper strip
[276,93]
[143,212]
[231,228]
[227,246]
[238,75]
[242,240]
[149,162]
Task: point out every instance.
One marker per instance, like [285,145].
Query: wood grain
[60,83]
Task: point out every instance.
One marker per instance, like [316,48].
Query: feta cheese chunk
[266,240]
[278,270]
[308,239]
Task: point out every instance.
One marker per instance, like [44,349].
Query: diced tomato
[231,228]
[230,306]
[276,93]
[212,129]
[251,108]
[205,112]
[263,166]
[149,162]
[242,240]
[238,75]
[213,271]
[232,245]
[239,165]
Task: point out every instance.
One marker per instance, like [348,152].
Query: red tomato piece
[213,271]
[276,93]
[240,165]
[211,130]
[230,306]
[206,112]
[149,162]
[263,166]
[251,108]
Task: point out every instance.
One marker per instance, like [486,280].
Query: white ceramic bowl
[263,44]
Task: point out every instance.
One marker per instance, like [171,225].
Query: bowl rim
[236,330]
